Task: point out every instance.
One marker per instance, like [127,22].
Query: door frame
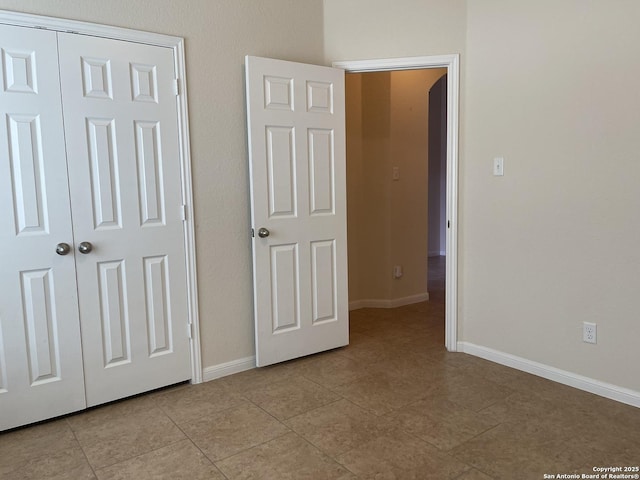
[177,45]
[452,64]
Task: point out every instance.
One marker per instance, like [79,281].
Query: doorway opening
[449,66]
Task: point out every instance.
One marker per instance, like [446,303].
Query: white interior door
[121,124]
[298,203]
[40,352]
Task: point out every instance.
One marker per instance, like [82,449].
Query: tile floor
[392,405]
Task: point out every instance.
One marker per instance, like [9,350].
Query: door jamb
[452,64]
[177,45]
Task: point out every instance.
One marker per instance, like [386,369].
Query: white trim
[86,28]
[452,64]
[228,368]
[187,200]
[177,45]
[607,390]
[397,302]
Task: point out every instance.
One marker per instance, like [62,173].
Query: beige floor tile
[591,432]
[494,372]
[95,417]
[192,402]
[441,422]
[548,390]
[522,450]
[288,398]
[372,350]
[592,414]
[27,444]
[179,461]
[339,427]
[116,439]
[331,370]
[522,407]
[454,359]
[69,463]
[398,455]
[381,393]
[474,474]
[356,338]
[604,428]
[258,377]
[475,393]
[414,368]
[358,327]
[595,431]
[226,433]
[289,457]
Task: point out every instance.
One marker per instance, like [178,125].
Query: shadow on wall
[388,184]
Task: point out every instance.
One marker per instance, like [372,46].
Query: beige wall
[387,127]
[409,196]
[218,35]
[367,196]
[552,86]
[361,29]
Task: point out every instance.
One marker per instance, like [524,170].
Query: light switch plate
[498,167]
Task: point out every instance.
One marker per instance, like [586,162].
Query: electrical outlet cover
[589,332]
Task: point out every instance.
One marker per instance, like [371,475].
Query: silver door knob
[63,248]
[85,247]
[263,233]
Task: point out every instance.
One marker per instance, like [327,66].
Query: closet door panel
[41,373]
[121,123]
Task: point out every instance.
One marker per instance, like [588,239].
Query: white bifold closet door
[40,351]
[89,157]
[121,123]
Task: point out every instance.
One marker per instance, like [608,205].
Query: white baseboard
[397,302]
[607,390]
[229,368]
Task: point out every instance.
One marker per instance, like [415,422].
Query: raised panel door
[298,193]
[41,371]
[121,125]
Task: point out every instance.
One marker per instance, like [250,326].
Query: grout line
[73,432]
[215,462]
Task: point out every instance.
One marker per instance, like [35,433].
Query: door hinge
[176,87]
[183,212]
[448,223]
[190,330]
[253,234]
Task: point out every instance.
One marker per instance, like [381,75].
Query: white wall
[218,34]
